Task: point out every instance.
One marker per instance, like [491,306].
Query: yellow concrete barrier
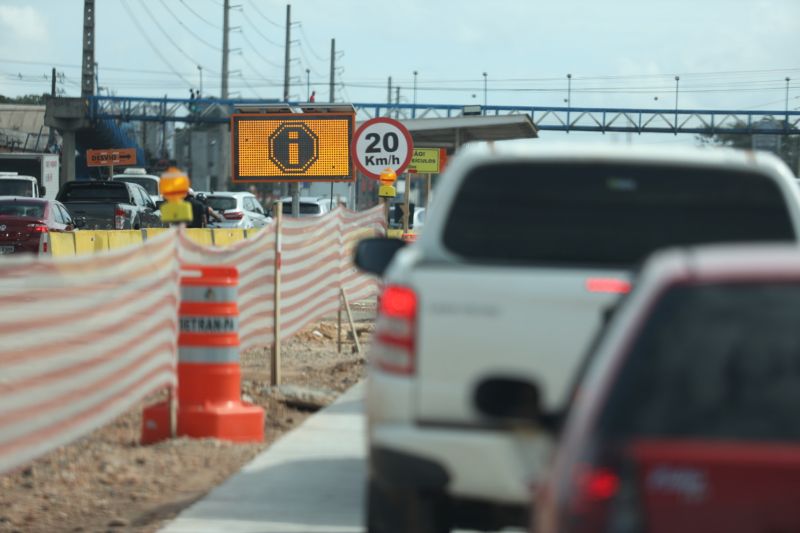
[90,242]
[62,244]
[149,233]
[226,237]
[123,238]
[201,236]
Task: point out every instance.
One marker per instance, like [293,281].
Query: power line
[311,48]
[255,28]
[185,27]
[169,38]
[262,15]
[308,63]
[150,43]
[196,14]
[256,71]
[255,51]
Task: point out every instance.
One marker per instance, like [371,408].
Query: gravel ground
[106,481]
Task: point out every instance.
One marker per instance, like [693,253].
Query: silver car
[241,210]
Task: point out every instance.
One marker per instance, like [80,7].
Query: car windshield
[150,185]
[221,203]
[12,187]
[718,362]
[21,209]
[306,208]
[608,215]
[96,193]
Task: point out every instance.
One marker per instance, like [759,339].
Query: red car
[687,415]
[25,223]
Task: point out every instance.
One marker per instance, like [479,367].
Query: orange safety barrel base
[236,422]
[206,383]
[155,423]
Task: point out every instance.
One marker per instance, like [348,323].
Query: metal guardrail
[603,120]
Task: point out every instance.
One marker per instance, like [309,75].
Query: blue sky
[728,53]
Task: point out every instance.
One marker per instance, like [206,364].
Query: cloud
[23,24]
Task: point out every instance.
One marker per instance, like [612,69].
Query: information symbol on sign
[293,147]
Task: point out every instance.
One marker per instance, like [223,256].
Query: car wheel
[402,511]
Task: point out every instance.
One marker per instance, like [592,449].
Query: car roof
[307,199]
[27,199]
[719,263]
[233,194]
[644,153]
[136,176]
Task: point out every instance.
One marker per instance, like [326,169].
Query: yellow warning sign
[292,147]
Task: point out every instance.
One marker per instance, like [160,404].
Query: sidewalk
[288,488]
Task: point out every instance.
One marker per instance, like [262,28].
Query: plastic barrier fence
[316,262]
[87,334]
[82,340]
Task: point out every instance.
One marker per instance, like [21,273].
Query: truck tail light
[395,330]
[612,285]
[119,219]
[234,215]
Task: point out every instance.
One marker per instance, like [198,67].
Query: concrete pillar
[67,156]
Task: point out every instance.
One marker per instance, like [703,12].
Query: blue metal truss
[602,120]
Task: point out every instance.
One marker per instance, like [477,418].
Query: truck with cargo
[43,167]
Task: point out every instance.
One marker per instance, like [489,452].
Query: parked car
[686,417]
[25,223]
[110,204]
[240,209]
[515,279]
[139,176]
[310,206]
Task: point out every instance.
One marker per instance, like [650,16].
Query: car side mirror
[509,400]
[374,255]
[79,222]
[42,191]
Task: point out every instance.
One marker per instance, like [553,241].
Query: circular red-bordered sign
[380,143]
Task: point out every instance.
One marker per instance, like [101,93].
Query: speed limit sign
[382,143]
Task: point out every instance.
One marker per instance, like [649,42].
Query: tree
[787,149]
[28,99]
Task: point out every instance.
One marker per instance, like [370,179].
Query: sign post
[110,157]
[291,147]
[382,149]
[382,143]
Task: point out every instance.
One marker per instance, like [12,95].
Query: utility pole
[295,186]
[287,58]
[397,101]
[87,63]
[53,83]
[333,69]
[389,97]
[223,92]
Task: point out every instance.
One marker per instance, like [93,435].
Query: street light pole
[485,92]
[677,82]
[569,99]
[308,84]
[414,109]
[200,70]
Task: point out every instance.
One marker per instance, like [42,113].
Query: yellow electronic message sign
[292,147]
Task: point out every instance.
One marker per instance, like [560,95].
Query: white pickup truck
[522,253]
[13,184]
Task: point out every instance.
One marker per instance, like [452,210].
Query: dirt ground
[106,481]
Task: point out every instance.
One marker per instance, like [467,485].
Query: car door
[145,207]
[259,216]
[69,224]
[57,220]
[250,211]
